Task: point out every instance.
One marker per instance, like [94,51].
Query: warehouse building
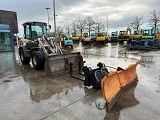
[8,27]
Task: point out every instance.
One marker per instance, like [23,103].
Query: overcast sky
[120,12]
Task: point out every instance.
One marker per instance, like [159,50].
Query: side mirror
[49,26]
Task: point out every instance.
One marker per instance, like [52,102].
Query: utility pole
[107,25]
[54,17]
[48,29]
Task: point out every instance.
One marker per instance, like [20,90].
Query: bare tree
[67,29]
[135,25]
[59,30]
[89,23]
[81,25]
[74,28]
[154,19]
[98,26]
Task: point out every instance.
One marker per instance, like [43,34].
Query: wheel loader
[125,36]
[44,52]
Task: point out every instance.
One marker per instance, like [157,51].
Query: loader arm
[128,30]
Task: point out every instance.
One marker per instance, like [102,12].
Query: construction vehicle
[100,38]
[158,35]
[105,34]
[86,39]
[93,36]
[112,83]
[137,35]
[66,41]
[114,36]
[125,36]
[76,37]
[44,52]
[148,35]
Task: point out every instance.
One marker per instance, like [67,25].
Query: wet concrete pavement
[28,94]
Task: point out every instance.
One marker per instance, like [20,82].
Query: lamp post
[107,25]
[48,30]
[54,17]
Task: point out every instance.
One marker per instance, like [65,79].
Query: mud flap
[56,65]
[117,82]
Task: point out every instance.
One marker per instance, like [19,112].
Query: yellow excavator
[125,36]
[158,34]
[101,38]
[76,37]
[137,35]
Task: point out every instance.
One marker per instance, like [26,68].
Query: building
[8,27]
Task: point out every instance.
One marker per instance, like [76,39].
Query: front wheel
[24,60]
[38,60]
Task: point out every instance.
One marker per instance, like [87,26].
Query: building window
[5,39]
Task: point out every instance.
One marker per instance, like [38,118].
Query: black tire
[24,60]
[38,60]
[121,42]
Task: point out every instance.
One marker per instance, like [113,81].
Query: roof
[33,22]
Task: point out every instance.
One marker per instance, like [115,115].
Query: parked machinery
[125,36]
[45,52]
[148,35]
[87,39]
[76,37]
[100,38]
[66,41]
[105,34]
[93,36]
[158,34]
[114,36]
[137,35]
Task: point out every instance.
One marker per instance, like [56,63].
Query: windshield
[39,28]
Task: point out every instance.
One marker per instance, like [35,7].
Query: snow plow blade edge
[115,83]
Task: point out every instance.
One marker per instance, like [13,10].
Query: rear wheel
[24,60]
[38,60]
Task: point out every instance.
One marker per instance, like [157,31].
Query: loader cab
[34,30]
[122,32]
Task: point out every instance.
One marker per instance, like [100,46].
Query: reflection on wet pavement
[28,94]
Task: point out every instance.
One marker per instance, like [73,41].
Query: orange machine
[115,83]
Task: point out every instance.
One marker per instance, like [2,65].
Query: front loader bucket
[56,65]
[115,83]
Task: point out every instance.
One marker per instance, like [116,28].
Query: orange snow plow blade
[56,65]
[115,83]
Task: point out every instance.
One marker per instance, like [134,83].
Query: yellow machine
[125,36]
[148,35]
[158,34]
[76,37]
[137,35]
[62,36]
[100,38]
[105,34]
